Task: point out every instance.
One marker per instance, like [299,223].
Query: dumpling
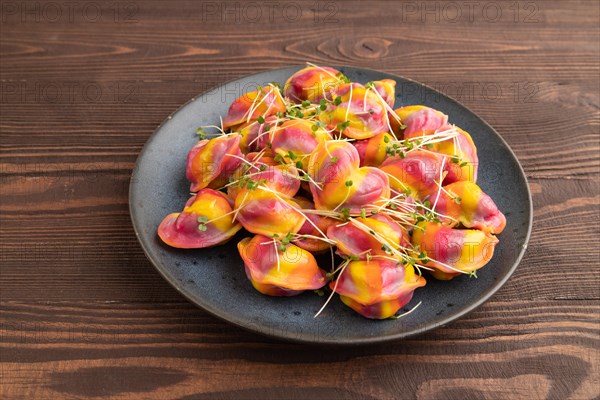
[312,84]
[263,102]
[206,220]
[341,183]
[363,238]
[211,162]
[358,114]
[418,174]
[452,252]
[377,289]
[280,273]
[464,202]
[266,213]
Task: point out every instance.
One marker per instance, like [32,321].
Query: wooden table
[84,84]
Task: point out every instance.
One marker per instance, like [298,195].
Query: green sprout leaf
[201,133]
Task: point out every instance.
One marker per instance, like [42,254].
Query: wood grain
[173,350]
[84,314]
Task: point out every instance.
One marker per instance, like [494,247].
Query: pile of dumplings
[328,165]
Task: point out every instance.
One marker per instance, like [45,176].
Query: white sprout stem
[322,87]
[237,210]
[307,236]
[401,216]
[408,312]
[344,200]
[277,254]
[396,179]
[457,143]
[389,110]
[438,214]
[387,106]
[242,177]
[349,104]
[424,267]
[406,205]
[219,128]
[276,95]
[325,213]
[448,133]
[378,237]
[337,281]
[317,184]
[270,131]
[419,266]
[437,197]
[252,108]
[255,105]
[324,70]
[429,139]
[388,201]
[452,195]
[251,164]
[332,258]
[221,216]
[448,266]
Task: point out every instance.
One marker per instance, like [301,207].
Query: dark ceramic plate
[214,279]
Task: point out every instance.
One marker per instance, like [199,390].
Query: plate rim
[320,341]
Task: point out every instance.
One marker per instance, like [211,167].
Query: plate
[214,278]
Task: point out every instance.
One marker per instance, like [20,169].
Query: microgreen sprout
[202,221]
[201,133]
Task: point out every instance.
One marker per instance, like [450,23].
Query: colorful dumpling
[280,273]
[255,135]
[367,237]
[205,221]
[284,179]
[372,151]
[419,121]
[211,162]
[467,204]
[377,288]
[462,153]
[358,114]
[341,183]
[312,84]
[453,251]
[331,160]
[266,213]
[365,187]
[263,102]
[418,174]
[295,140]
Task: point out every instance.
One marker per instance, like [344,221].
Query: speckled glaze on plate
[214,279]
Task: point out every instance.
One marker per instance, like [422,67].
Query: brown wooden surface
[84,314]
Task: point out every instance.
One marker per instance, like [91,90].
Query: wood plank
[74,349]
